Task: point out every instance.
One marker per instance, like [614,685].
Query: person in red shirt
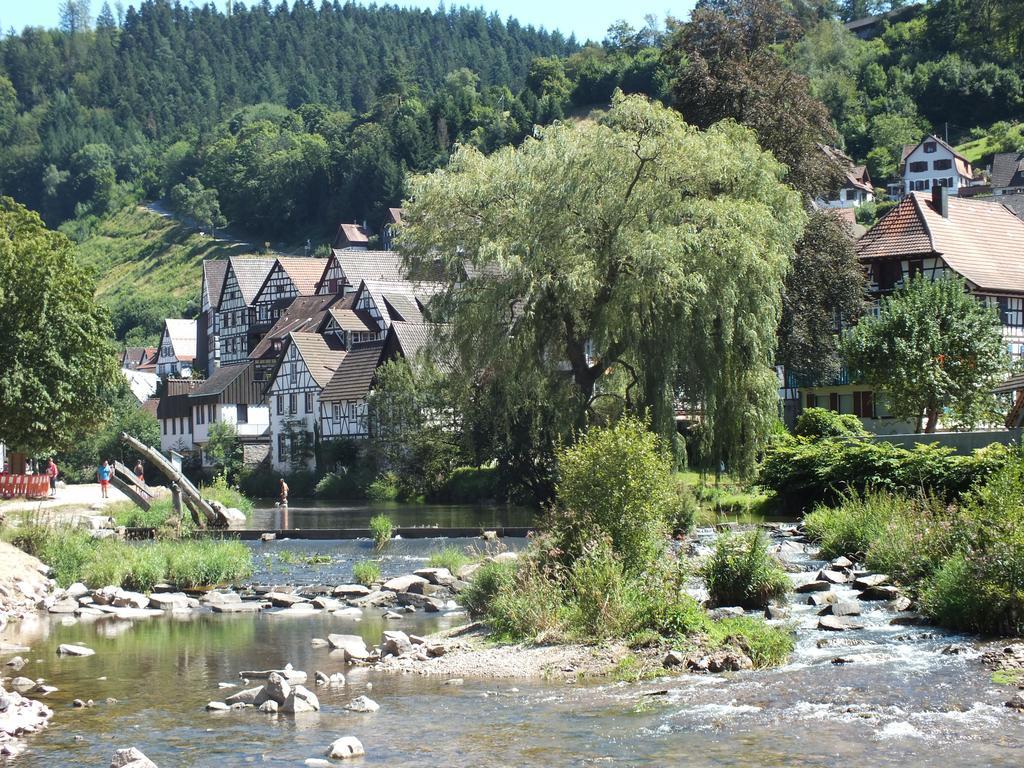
[52,472]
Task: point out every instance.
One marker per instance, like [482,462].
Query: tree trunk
[933,418]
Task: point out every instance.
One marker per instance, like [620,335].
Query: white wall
[924,180]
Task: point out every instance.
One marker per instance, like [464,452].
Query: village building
[392,223]
[1007,177]
[143,384]
[208,351]
[306,365]
[856,188]
[232,396]
[345,270]
[242,281]
[305,315]
[139,359]
[389,302]
[933,163]
[352,237]
[344,402]
[174,412]
[176,353]
[934,235]
[289,278]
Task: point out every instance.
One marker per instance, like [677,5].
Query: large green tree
[635,259]
[58,365]
[934,350]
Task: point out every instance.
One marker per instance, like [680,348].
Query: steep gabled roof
[412,339]
[981,240]
[349,319]
[370,265]
[322,355]
[250,273]
[229,384]
[401,300]
[1008,170]
[305,273]
[963,165]
[182,334]
[305,314]
[352,233]
[354,376]
[214,272]
[395,216]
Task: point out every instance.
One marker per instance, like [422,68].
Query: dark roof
[306,313]
[214,272]
[981,240]
[1014,203]
[402,307]
[175,400]
[1008,170]
[354,376]
[351,233]
[250,274]
[228,384]
[370,265]
[322,355]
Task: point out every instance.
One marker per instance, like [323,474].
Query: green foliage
[933,349]
[383,488]
[685,510]
[741,571]
[820,422]
[636,279]
[491,578]
[224,450]
[450,557]
[469,485]
[58,367]
[765,645]
[616,481]
[227,494]
[65,550]
[366,572]
[198,203]
[381,529]
[802,472]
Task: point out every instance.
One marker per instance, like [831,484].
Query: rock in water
[130,758]
[217,706]
[67,649]
[269,706]
[277,688]
[395,643]
[362,704]
[346,746]
[842,608]
[1017,702]
[813,586]
[402,583]
[871,580]
[301,700]
[353,645]
[836,624]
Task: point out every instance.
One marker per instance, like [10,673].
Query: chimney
[940,199]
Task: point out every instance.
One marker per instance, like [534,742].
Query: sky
[589,19]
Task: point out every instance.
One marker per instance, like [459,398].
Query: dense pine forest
[283,120]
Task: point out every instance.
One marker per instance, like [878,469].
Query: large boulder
[169,601]
[402,583]
[440,576]
[395,643]
[277,688]
[362,704]
[247,696]
[284,599]
[837,624]
[345,747]
[300,700]
[351,590]
[353,645]
[813,586]
[870,580]
[130,758]
[227,517]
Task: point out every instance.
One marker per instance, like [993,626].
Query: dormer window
[930,146]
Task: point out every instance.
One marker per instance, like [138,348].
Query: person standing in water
[103,475]
[284,493]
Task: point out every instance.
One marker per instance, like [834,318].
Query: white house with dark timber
[242,280]
[933,163]
[304,315]
[854,190]
[288,279]
[344,402]
[174,412]
[176,353]
[208,346]
[307,364]
[231,395]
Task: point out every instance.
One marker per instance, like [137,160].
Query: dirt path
[83,497]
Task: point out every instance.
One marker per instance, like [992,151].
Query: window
[309,402]
[851,194]
[280,405]
[280,447]
[293,403]
[1013,312]
[915,267]
[886,274]
[213,413]
[918,166]
[200,415]
[930,146]
[243,413]
[332,285]
[833,401]
[812,400]
[337,412]
[942,165]
[174,426]
[864,404]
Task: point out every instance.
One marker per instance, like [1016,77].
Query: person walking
[52,472]
[103,475]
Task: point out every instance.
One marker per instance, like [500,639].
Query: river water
[902,700]
[316,514]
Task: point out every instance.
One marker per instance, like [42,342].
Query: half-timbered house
[344,402]
[208,349]
[305,315]
[242,281]
[176,353]
[345,270]
[231,395]
[293,393]
[289,278]
[174,412]
[933,163]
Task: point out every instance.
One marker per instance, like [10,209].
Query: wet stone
[813,586]
[837,624]
[870,580]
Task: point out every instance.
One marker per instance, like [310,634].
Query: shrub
[383,488]
[850,528]
[366,572]
[685,510]
[741,571]
[527,604]
[767,646]
[66,551]
[490,578]
[914,542]
[381,529]
[228,495]
[450,557]
[467,485]
[615,481]
[821,422]
[128,514]
[603,601]
[205,563]
[351,484]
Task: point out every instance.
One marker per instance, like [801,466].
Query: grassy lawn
[980,151]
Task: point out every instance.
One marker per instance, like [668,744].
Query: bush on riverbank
[804,472]
[741,571]
[382,529]
[161,516]
[603,569]
[75,556]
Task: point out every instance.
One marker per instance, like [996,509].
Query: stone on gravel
[440,576]
[395,643]
[67,605]
[130,600]
[220,598]
[673,659]
[719,661]
[130,758]
[362,704]
[284,599]
[345,747]
[353,645]
[69,649]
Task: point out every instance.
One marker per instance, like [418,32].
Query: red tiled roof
[900,232]
[352,233]
[305,273]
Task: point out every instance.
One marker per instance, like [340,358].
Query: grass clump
[449,557]
[850,527]
[741,571]
[366,572]
[381,529]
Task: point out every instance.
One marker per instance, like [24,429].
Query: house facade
[176,353]
[293,394]
[856,188]
[344,402]
[1007,177]
[242,281]
[288,279]
[304,315]
[208,351]
[232,396]
[174,412]
[934,235]
[933,163]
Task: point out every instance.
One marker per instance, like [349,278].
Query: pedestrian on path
[52,472]
[103,475]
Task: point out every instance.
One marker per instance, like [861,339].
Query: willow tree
[634,260]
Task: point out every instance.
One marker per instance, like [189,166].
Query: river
[901,700]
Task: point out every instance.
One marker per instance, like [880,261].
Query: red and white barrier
[29,486]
